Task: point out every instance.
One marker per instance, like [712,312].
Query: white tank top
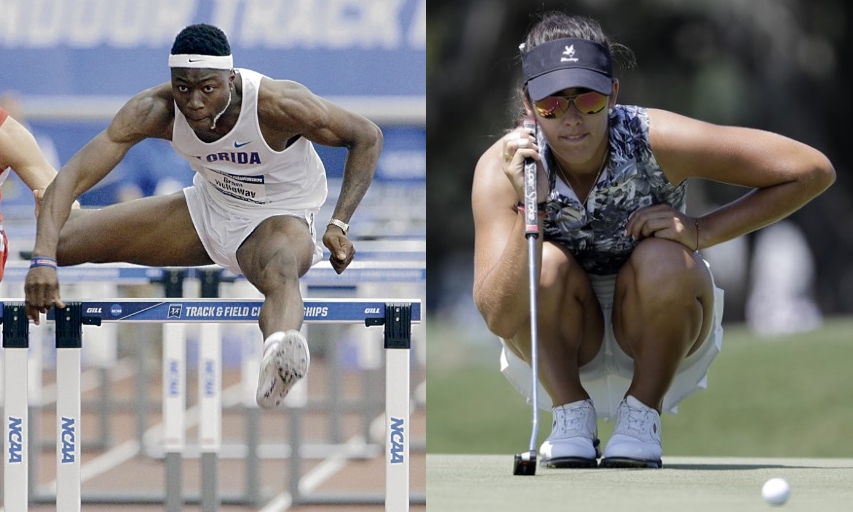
[242,171]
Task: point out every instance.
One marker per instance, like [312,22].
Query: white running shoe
[573,442]
[285,361]
[636,438]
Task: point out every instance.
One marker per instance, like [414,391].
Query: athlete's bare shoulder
[290,105]
[147,115]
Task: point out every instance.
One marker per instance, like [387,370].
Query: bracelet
[540,209]
[42,261]
[696,225]
[339,223]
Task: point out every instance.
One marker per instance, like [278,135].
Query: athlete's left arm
[323,122]
[783,174]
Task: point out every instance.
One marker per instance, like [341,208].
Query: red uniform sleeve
[3,116]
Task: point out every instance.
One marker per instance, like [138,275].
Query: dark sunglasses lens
[552,106]
[591,102]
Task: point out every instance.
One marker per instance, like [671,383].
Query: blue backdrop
[119,47]
[116,48]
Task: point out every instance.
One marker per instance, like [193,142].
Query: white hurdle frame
[396,315]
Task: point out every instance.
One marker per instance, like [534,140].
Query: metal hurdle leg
[36,397]
[210,405]
[174,405]
[210,398]
[398,342]
[15,414]
[174,395]
[250,366]
[69,340]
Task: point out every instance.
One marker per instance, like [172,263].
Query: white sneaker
[636,439]
[573,442]
[285,361]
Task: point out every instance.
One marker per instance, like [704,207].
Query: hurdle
[410,268]
[396,315]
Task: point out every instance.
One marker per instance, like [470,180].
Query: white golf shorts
[222,231]
[606,378]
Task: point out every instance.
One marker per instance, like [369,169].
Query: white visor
[201,61]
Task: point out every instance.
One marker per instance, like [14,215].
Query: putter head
[525,463]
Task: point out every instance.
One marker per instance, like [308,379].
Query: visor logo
[569,54]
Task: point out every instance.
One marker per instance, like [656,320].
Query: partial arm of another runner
[323,122]
[19,150]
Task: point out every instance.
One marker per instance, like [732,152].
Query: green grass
[788,396]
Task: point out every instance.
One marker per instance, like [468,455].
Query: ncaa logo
[115,310]
[175,310]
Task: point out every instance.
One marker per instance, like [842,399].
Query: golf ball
[776,491]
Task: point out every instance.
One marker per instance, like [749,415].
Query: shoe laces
[573,422]
[641,423]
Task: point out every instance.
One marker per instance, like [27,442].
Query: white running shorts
[606,378]
[222,231]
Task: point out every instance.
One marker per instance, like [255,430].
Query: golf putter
[525,462]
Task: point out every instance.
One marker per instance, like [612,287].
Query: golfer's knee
[660,267]
[561,276]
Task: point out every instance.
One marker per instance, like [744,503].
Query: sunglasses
[553,107]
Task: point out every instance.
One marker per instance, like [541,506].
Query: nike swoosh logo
[239,145]
[194,60]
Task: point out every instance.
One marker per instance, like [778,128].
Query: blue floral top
[632,179]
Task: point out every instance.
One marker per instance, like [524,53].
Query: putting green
[471,483]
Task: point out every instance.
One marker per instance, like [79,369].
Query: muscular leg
[570,326]
[273,258]
[155,231]
[662,311]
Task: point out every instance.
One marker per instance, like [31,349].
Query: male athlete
[258,187]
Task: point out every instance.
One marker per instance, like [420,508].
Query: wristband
[42,261]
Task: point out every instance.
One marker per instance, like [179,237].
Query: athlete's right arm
[500,247]
[146,115]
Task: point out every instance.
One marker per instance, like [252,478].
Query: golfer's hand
[42,289]
[341,248]
[663,221]
[519,145]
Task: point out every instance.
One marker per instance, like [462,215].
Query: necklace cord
[565,177]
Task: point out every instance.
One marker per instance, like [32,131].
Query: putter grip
[531,214]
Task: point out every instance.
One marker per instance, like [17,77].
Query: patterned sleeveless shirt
[632,179]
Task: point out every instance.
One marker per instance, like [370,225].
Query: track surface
[124,468]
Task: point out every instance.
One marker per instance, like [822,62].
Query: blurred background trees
[778,65]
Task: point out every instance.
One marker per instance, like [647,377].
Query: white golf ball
[776,491]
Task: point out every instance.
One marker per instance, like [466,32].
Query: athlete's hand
[519,145]
[42,289]
[341,248]
[664,221]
